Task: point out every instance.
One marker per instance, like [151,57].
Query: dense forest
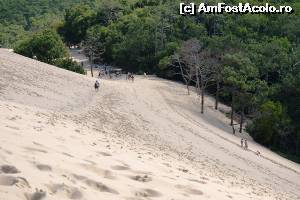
[250,62]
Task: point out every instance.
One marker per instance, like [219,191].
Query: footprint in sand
[197,181]
[120,167]
[95,184]
[38,195]
[75,194]
[100,186]
[37,144]
[90,162]
[104,153]
[9,169]
[205,178]
[13,127]
[66,154]
[194,191]
[35,150]
[189,190]
[15,118]
[79,177]
[70,192]
[147,193]
[22,183]
[8,180]
[39,129]
[183,170]
[102,172]
[141,178]
[43,167]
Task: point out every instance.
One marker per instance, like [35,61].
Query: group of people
[130,76]
[244,143]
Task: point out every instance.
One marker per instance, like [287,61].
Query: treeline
[246,61]
[20,18]
[250,62]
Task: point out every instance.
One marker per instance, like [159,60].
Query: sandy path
[144,140]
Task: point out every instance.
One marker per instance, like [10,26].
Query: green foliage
[46,46]
[19,18]
[289,94]
[77,20]
[69,64]
[109,11]
[266,128]
[10,34]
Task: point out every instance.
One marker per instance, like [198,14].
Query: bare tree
[204,65]
[189,55]
[186,71]
[217,77]
[93,48]
[200,61]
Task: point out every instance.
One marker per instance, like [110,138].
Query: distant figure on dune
[97,85]
[145,75]
[257,153]
[246,144]
[233,129]
[128,77]
[242,142]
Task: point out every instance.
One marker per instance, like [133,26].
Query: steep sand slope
[144,140]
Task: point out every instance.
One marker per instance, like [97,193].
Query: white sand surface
[60,139]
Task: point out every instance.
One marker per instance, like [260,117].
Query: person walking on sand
[97,85]
[246,144]
[129,76]
[233,130]
[257,153]
[242,142]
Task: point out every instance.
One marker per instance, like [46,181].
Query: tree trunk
[217,96]
[198,82]
[92,65]
[233,130]
[188,86]
[242,121]
[232,110]
[92,70]
[202,100]
[202,95]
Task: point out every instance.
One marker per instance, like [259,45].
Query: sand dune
[60,139]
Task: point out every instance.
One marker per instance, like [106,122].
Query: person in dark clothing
[97,85]
[242,142]
[246,144]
